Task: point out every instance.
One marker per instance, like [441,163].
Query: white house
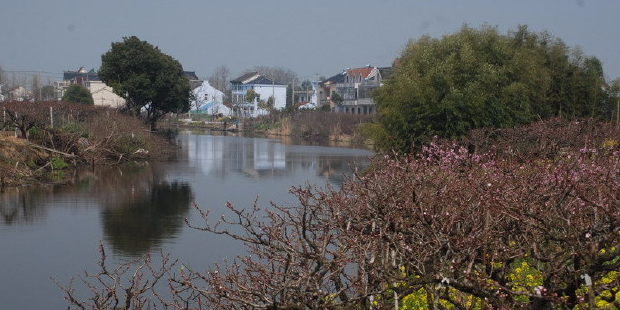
[103,95]
[264,89]
[209,100]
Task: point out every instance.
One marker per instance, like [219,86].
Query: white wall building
[103,95]
[264,88]
[208,100]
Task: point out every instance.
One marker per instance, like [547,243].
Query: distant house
[1,95]
[208,100]
[103,95]
[194,80]
[354,88]
[20,93]
[264,88]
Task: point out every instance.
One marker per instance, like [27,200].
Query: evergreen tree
[148,79]
[76,93]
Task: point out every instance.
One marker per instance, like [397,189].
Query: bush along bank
[311,125]
[40,141]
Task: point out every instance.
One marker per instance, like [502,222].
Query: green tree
[78,94]
[148,79]
[480,78]
[336,98]
[250,95]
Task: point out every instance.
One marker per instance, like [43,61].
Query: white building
[208,100]
[264,88]
[103,95]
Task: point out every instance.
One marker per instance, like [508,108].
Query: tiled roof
[253,78]
[261,80]
[354,73]
[338,78]
[242,79]
[191,75]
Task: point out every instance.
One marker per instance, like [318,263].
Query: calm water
[54,231]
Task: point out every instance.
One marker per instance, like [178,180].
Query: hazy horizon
[311,38]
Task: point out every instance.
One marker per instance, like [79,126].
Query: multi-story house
[266,90]
[350,91]
[103,95]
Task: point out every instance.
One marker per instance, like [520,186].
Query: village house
[264,89]
[350,91]
[103,95]
[20,93]
[208,100]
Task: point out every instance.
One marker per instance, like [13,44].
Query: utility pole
[293,93]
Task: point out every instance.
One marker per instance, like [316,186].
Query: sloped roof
[244,78]
[191,75]
[253,78]
[364,72]
[261,80]
[338,78]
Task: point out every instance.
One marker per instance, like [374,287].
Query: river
[54,231]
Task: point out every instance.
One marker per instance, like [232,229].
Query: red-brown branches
[447,222]
[129,285]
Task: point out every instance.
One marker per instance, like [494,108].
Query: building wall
[277,91]
[264,91]
[104,96]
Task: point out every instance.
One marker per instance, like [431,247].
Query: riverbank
[307,125]
[45,148]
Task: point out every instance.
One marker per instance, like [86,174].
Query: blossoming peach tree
[444,229]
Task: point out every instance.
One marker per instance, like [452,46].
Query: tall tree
[148,79]
[480,78]
[78,94]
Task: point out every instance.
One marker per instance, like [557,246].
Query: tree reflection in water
[154,214]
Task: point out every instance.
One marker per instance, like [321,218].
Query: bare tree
[130,285]
[219,78]
[277,74]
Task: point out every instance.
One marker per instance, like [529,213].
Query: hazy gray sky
[309,37]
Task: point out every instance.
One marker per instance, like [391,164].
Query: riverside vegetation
[474,223]
[40,141]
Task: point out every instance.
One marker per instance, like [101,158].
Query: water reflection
[139,207]
[256,158]
[147,217]
[16,206]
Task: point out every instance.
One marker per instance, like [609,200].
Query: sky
[311,38]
